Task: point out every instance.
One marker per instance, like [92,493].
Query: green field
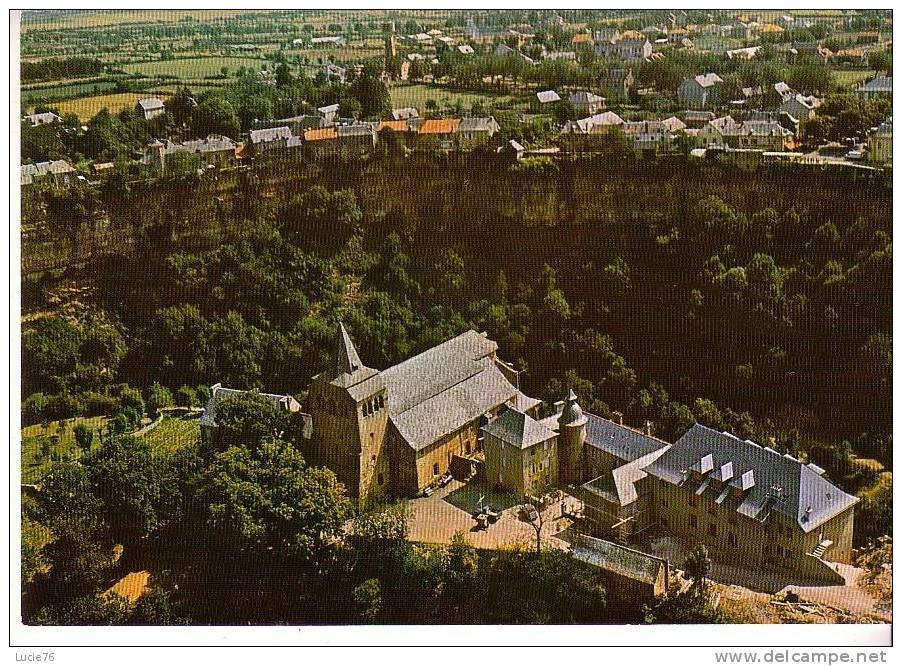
[34,462]
[851,78]
[175,432]
[87,107]
[417,95]
[192,68]
[54,93]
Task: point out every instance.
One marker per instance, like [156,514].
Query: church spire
[346,358]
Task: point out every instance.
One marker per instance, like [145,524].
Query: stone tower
[349,405]
[571,439]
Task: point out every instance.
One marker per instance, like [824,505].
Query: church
[392,432]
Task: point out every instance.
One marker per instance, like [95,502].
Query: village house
[346,141]
[335,40]
[880,143]
[631,578]
[274,138]
[879,86]
[45,118]
[586,103]
[617,83]
[637,49]
[700,92]
[520,454]
[473,132]
[745,502]
[150,107]
[59,173]
[766,135]
[547,97]
[329,114]
[801,51]
[405,113]
[216,150]
[801,107]
[297,124]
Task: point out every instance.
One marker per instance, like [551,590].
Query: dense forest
[754,300]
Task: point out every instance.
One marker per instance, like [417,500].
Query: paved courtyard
[437,518]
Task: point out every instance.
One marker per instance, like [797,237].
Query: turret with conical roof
[571,439]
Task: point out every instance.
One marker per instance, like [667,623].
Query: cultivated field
[852,78]
[173,433]
[34,463]
[87,107]
[193,68]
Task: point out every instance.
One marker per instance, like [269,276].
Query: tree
[138,490]
[158,397]
[215,115]
[42,142]
[84,436]
[182,165]
[370,91]
[186,396]
[321,218]
[810,77]
[50,351]
[269,502]
[248,419]
[698,566]
[283,76]
[880,61]
[368,597]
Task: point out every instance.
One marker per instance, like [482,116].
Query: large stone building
[393,432]
[746,502]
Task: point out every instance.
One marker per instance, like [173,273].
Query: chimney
[648,428]
[617,417]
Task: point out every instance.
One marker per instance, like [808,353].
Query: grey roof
[572,414]
[405,113]
[546,96]
[878,84]
[329,109]
[151,103]
[358,129]
[619,485]
[270,134]
[777,483]
[474,124]
[349,372]
[708,80]
[518,429]
[438,391]
[212,144]
[618,559]
[620,441]
[208,418]
[585,97]
[42,118]
[44,168]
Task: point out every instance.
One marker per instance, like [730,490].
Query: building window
[732,540]
[710,510]
[693,522]
[380,479]
[664,522]
[663,501]
[693,500]
[712,529]
[435,469]
[467,447]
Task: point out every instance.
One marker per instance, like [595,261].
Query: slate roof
[212,144]
[270,134]
[518,429]
[42,118]
[878,84]
[708,80]
[618,440]
[208,418]
[465,49]
[618,559]
[476,124]
[405,113]
[151,103]
[585,97]
[546,96]
[619,485]
[779,483]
